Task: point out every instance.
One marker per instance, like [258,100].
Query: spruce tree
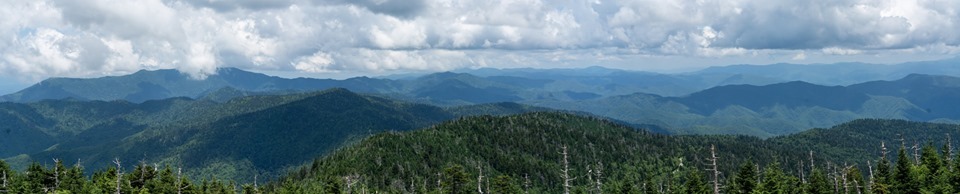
[504,184]
[903,179]
[774,180]
[746,178]
[455,180]
[818,183]
[695,183]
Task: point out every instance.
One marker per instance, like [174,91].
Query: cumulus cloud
[106,37]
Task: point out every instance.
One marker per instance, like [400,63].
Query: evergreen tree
[72,180]
[854,181]
[333,186]
[503,184]
[903,178]
[695,183]
[34,180]
[746,178]
[819,183]
[774,181]
[955,174]
[881,180]
[163,182]
[934,175]
[455,180]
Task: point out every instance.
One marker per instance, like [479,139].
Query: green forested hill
[528,148]
[531,152]
[241,138]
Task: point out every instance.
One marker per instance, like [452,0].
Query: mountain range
[738,99]
[782,108]
[250,135]
[485,85]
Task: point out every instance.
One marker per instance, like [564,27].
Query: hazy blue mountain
[839,73]
[486,85]
[159,84]
[599,81]
[782,108]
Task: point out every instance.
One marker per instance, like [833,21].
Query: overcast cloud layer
[92,38]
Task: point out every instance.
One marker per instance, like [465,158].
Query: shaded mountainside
[783,108]
[529,147]
[242,137]
[517,146]
[536,152]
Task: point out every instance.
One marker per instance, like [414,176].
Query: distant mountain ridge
[160,84]
[840,73]
[782,108]
[485,85]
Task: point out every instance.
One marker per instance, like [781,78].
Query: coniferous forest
[545,152]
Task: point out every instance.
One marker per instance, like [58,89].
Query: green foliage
[503,184]
[746,178]
[904,178]
[143,179]
[819,183]
[454,180]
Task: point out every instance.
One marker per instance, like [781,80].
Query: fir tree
[746,178]
[455,180]
[903,178]
[503,184]
[818,183]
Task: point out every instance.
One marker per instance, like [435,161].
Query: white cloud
[107,37]
[799,56]
[316,63]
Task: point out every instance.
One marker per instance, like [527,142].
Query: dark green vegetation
[140,178]
[784,108]
[526,152]
[238,139]
[523,152]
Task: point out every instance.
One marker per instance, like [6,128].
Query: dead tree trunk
[949,152]
[526,184]
[916,152]
[846,186]
[599,186]
[179,181]
[589,175]
[480,180]
[870,168]
[56,174]
[800,171]
[566,171]
[119,174]
[713,168]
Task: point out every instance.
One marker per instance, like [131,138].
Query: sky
[344,38]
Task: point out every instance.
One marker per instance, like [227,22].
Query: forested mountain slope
[242,137]
[527,151]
